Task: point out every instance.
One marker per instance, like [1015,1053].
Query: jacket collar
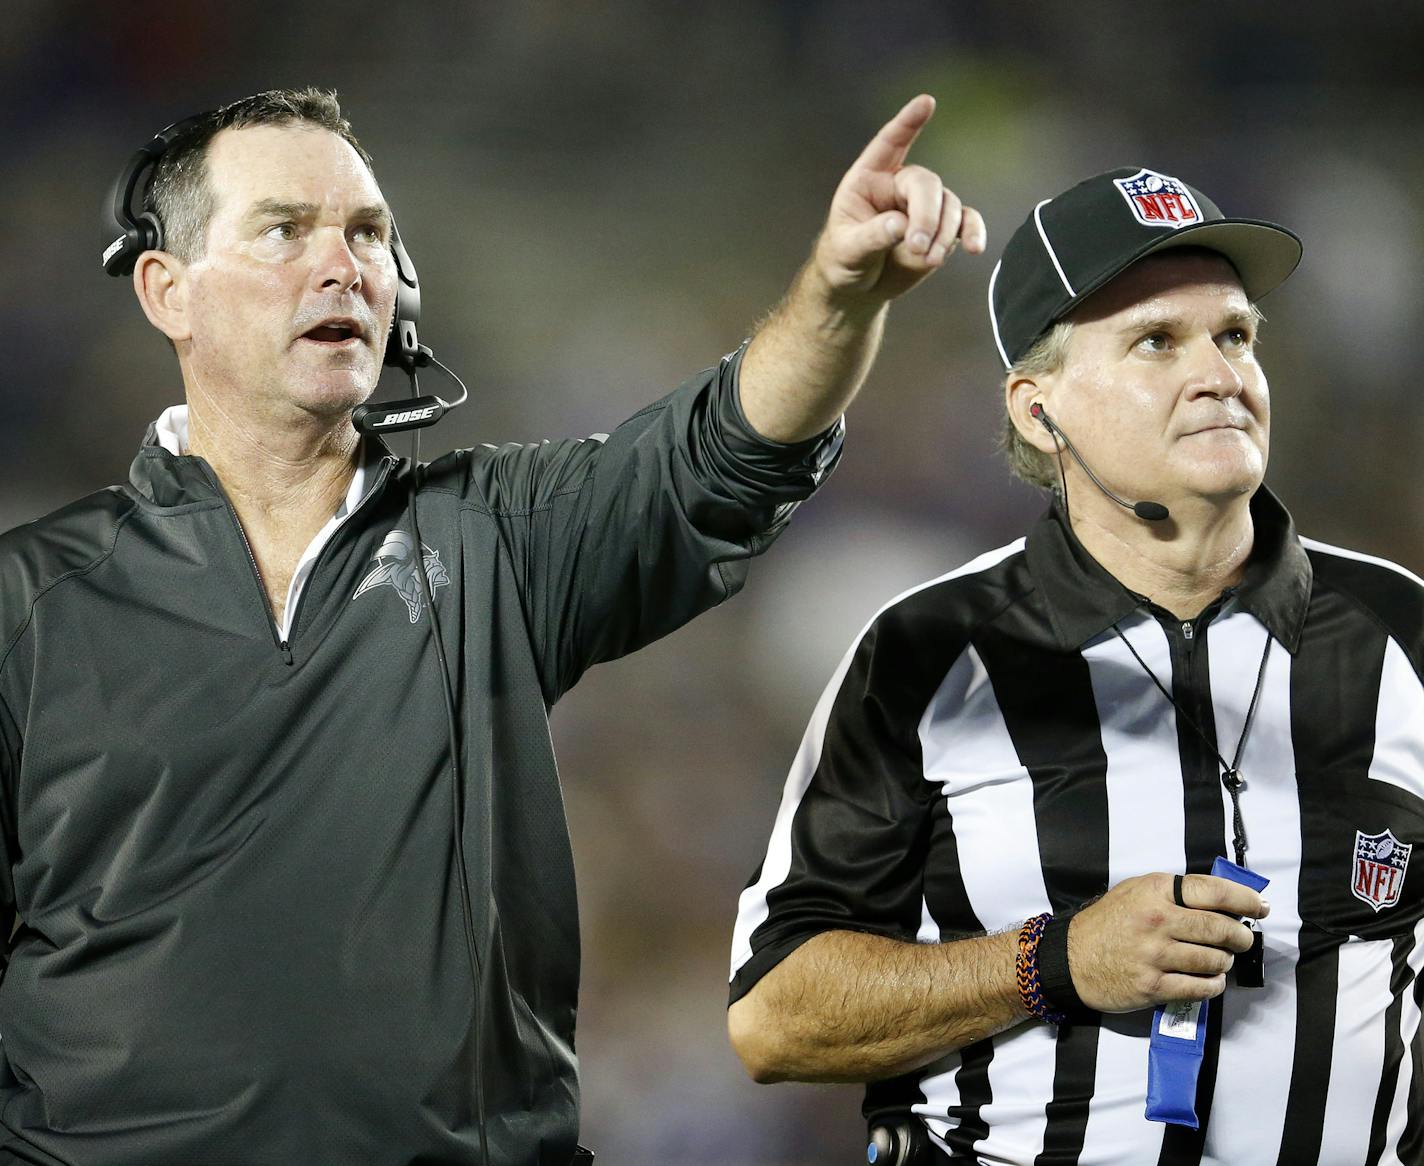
[1084,600]
[167,479]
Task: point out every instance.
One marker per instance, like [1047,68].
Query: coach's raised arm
[890,225]
[289,850]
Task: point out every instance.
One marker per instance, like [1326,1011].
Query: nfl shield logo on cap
[1073,244]
[1158,200]
[1380,862]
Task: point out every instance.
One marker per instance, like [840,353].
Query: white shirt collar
[171,429]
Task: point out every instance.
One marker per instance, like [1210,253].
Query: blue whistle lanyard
[1178,1040]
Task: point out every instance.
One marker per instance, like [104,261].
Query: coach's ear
[1021,394]
[160,283]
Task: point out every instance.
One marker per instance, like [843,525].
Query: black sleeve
[1389,594]
[618,540]
[848,848]
[9,779]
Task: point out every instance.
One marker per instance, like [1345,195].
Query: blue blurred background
[602,198]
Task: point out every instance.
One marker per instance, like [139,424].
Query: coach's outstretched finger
[890,224]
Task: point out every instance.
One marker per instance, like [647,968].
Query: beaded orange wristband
[1026,966]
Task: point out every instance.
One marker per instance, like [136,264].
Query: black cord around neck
[1230,774]
[457,790]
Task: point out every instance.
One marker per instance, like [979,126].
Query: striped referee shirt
[990,749]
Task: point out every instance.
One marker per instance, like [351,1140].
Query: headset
[141,230]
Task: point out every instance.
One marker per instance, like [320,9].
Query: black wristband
[1054,977]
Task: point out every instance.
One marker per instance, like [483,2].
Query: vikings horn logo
[396,567]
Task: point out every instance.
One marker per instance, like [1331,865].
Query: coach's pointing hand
[890,224]
[1135,948]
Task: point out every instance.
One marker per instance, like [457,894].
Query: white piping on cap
[1042,234]
[993,319]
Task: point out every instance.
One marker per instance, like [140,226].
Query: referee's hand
[1135,948]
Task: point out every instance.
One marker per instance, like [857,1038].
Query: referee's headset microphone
[1148,511]
[141,230]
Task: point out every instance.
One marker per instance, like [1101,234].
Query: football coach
[283,859]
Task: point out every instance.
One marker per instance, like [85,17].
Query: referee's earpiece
[1036,412]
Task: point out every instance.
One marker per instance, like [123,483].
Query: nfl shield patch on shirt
[1158,200]
[1380,863]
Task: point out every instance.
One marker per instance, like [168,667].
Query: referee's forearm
[847,1007]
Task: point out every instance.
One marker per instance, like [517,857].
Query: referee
[989,891]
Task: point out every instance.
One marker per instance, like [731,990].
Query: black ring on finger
[1177,890]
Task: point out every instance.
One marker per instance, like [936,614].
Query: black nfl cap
[1072,245]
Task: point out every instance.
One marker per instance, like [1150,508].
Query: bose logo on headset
[402,418]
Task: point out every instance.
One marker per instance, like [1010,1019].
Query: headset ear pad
[141,232]
[150,234]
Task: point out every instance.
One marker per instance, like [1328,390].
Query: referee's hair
[1046,356]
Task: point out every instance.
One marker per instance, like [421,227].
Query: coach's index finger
[887,149]
[1210,893]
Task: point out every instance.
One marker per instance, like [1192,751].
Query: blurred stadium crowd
[601,199]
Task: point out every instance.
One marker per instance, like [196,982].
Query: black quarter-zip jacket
[239,937]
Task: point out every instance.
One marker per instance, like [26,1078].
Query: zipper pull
[286,653]
[1187,630]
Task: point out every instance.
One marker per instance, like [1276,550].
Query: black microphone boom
[1148,511]
[408,412]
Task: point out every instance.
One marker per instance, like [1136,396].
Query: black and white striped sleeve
[847,851]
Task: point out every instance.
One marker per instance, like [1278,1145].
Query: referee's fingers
[1179,986]
[1197,960]
[1209,893]
[1210,928]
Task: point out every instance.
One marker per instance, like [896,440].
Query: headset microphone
[1148,511]
[404,351]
